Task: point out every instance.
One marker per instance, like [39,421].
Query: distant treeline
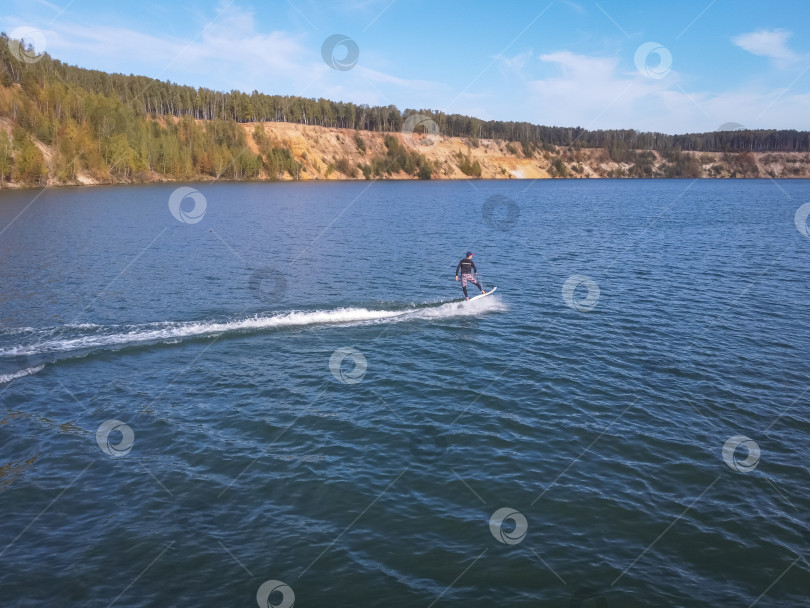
[148,96]
[97,133]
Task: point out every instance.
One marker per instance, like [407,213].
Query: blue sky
[674,67]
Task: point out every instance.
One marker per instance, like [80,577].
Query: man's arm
[457,267]
[475,270]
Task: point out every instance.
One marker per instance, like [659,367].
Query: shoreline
[16,188]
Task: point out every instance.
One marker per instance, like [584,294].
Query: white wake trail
[4,378]
[100,337]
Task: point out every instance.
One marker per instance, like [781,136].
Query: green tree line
[146,96]
[95,131]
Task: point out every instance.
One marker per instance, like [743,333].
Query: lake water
[279,398]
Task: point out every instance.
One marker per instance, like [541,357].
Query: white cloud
[383,78]
[767,43]
[582,67]
[364,85]
[592,92]
[509,66]
[229,44]
[231,52]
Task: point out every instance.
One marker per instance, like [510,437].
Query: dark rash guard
[467,266]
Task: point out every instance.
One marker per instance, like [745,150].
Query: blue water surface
[290,390]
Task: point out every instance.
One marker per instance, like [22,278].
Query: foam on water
[4,378]
[89,337]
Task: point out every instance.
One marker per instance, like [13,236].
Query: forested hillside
[65,124]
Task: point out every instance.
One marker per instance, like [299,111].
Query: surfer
[466,268]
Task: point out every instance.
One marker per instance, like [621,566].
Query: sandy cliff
[318,147]
[334,154]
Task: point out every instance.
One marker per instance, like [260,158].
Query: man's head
[469,254]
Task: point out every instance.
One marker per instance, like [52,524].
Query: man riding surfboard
[466,268]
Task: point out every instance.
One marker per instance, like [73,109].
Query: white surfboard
[484,295]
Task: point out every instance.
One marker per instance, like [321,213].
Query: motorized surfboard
[484,295]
